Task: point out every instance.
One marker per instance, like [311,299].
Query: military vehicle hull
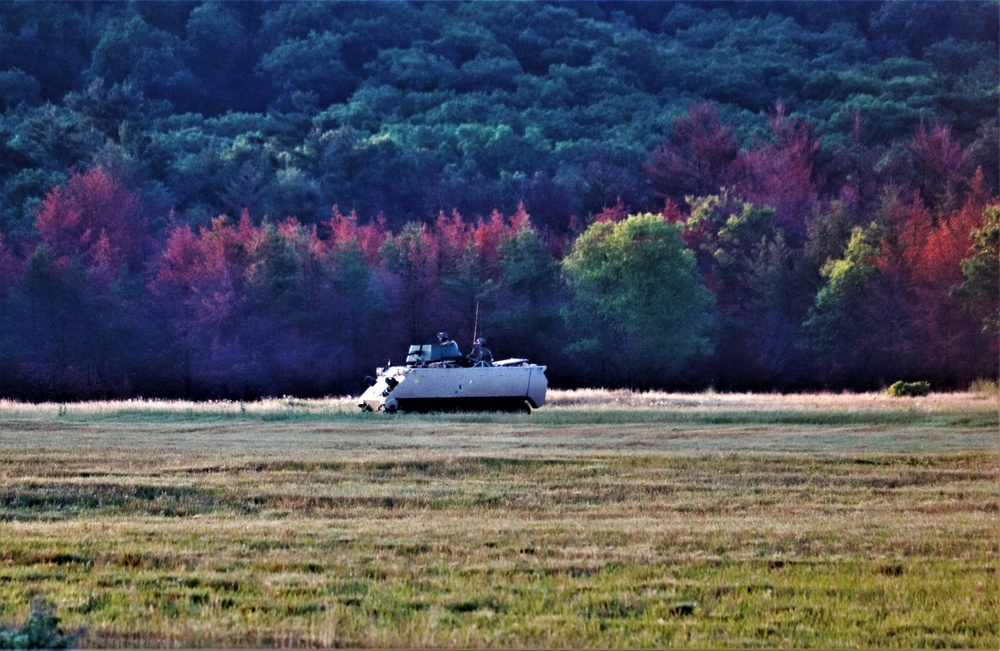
[509,385]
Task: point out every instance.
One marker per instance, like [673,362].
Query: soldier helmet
[443,335]
[480,342]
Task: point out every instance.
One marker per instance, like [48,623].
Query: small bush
[984,386]
[40,631]
[909,389]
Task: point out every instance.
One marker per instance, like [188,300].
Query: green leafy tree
[845,308]
[130,49]
[529,269]
[527,318]
[223,56]
[762,285]
[982,272]
[411,259]
[108,108]
[296,20]
[726,234]
[275,282]
[359,308]
[50,42]
[640,310]
[56,331]
[413,69]
[49,137]
[310,64]
[17,87]
[465,278]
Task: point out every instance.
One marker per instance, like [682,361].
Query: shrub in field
[909,389]
[983,385]
[40,631]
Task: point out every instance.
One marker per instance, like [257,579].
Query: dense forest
[237,199]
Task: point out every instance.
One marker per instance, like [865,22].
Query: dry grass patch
[596,524]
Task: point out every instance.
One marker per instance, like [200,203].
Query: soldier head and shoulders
[480,353]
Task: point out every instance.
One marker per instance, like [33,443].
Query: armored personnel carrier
[437,378]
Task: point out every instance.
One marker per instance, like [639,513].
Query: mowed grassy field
[605,519]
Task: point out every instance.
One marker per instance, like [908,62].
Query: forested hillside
[236,199]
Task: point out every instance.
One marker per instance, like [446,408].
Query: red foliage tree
[202,281]
[673,213]
[177,284]
[697,159]
[941,165]
[779,174]
[95,218]
[616,213]
[180,258]
[454,237]
[920,263]
[522,220]
[368,237]
[487,237]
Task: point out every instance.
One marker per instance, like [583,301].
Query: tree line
[235,200]
[760,285]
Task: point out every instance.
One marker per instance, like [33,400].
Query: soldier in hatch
[480,353]
[449,349]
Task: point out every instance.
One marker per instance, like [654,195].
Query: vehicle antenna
[475,324]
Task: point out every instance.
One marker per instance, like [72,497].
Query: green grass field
[605,519]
